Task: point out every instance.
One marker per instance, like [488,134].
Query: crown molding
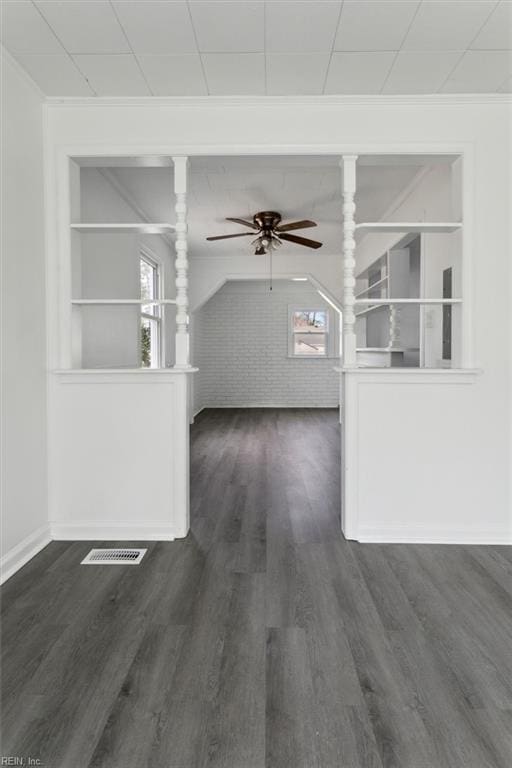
[439,99]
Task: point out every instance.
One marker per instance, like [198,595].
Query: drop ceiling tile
[55,74]
[447,24]
[179,75]
[497,31]
[85,26]
[113,75]
[420,71]
[301,26]
[374,25]
[296,73]
[355,72]
[23,29]
[480,71]
[228,26]
[234,73]
[157,27]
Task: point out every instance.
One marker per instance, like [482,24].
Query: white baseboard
[111,532]
[269,405]
[404,535]
[13,560]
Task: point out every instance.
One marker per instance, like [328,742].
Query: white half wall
[240,345]
[120,468]
[24,455]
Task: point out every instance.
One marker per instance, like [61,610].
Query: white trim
[415,375]
[19,555]
[417,535]
[94,531]
[108,375]
[451,99]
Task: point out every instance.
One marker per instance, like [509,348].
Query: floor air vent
[114,557]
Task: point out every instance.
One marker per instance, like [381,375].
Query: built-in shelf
[369,309]
[144,227]
[373,304]
[384,302]
[138,302]
[372,286]
[412,227]
[379,349]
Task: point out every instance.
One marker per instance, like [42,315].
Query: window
[309,332]
[150,314]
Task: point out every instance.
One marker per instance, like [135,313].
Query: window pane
[147,280]
[312,320]
[309,343]
[145,342]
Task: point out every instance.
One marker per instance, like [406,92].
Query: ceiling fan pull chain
[270,254]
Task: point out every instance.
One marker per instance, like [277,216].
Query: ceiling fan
[269,231]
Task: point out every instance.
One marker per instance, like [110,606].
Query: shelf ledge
[144,227]
[136,302]
[398,226]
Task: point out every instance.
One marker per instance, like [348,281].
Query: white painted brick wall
[240,344]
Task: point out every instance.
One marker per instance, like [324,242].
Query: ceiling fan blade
[245,223]
[300,240]
[225,237]
[295,225]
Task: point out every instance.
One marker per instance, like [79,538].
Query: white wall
[24,459]
[110,336]
[477,125]
[241,349]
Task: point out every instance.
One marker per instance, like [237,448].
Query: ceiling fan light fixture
[270,232]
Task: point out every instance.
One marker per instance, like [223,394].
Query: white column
[348,165]
[394,326]
[181,263]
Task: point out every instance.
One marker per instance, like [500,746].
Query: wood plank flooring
[264,639]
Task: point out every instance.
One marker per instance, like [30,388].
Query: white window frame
[329,332]
[157,343]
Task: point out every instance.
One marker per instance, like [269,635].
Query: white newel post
[181,263]
[348,165]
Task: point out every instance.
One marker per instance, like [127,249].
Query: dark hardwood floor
[264,638]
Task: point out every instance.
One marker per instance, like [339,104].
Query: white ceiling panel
[23,29]
[480,71]
[179,75]
[358,72]
[157,27]
[447,24]
[228,26]
[506,87]
[420,71]
[295,73]
[374,25]
[85,26]
[113,75]
[497,31]
[55,74]
[234,73]
[301,26]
